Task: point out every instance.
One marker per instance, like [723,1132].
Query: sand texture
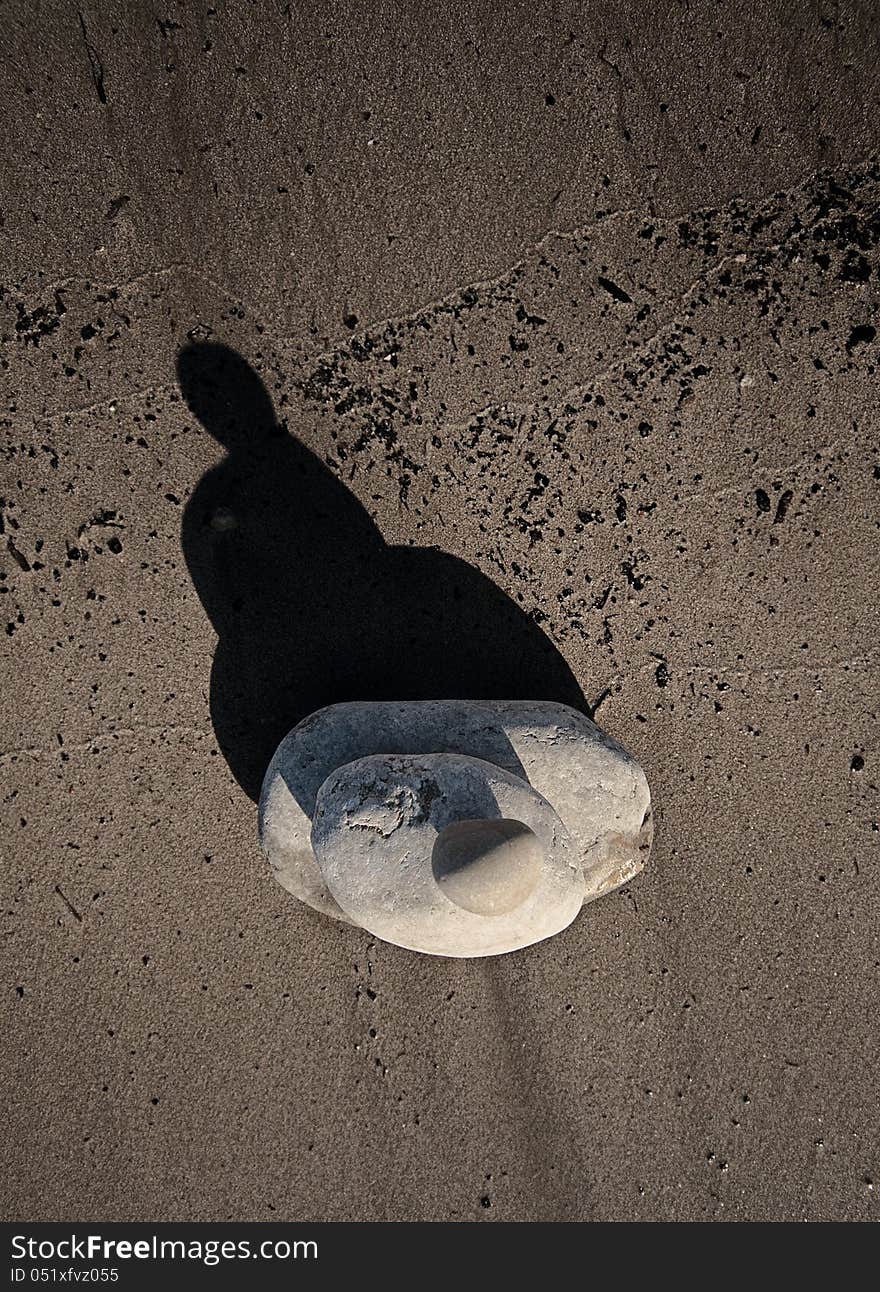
[357,351]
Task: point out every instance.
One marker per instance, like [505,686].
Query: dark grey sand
[578,303]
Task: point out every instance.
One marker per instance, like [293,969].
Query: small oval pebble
[445,854]
[488,867]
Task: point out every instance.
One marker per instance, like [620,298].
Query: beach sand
[360,350]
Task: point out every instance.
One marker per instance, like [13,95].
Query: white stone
[596,790]
[377,824]
[489,867]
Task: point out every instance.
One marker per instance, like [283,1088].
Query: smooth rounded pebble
[597,789]
[378,823]
[488,867]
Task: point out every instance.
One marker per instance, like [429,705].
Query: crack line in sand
[758,670]
[69,904]
[451,296]
[118,733]
[765,670]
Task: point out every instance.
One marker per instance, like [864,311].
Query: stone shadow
[311,606]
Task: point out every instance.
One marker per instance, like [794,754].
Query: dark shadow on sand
[309,603]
